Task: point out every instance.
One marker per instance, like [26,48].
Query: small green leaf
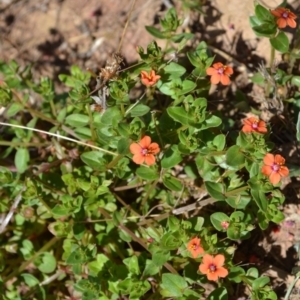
[46,263]
[215,189]
[236,274]
[150,269]
[234,157]
[160,257]
[260,282]
[260,199]
[174,70]
[14,108]
[22,159]
[263,14]
[111,116]
[132,264]
[147,173]
[265,29]
[238,201]
[123,146]
[173,285]
[172,183]
[296,81]
[280,42]
[254,21]
[187,86]
[60,211]
[171,158]
[219,142]
[139,110]
[179,114]
[252,272]
[170,241]
[218,294]
[93,159]
[217,219]
[155,32]
[30,280]
[77,120]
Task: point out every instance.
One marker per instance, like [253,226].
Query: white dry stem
[59,136]
[12,210]
[51,278]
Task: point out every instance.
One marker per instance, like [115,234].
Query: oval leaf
[22,159]
[147,173]
[172,183]
[139,110]
[280,42]
[77,120]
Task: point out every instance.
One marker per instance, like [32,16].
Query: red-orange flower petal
[149,79]
[212,267]
[284,17]
[274,167]
[219,73]
[194,247]
[253,124]
[145,141]
[144,151]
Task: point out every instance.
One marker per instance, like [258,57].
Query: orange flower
[284,17]
[144,151]
[253,124]
[194,247]
[212,267]
[274,167]
[219,72]
[149,79]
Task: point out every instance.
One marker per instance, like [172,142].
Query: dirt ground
[54,34]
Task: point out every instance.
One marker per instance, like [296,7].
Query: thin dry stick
[126,25]
[60,136]
[12,210]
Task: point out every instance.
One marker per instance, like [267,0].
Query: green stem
[236,191]
[154,183]
[17,271]
[114,162]
[24,144]
[122,109]
[91,123]
[53,108]
[157,131]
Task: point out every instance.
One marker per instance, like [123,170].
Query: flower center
[221,70]
[212,268]
[194,247]
[144,151]
[254,125]
[285,15]
[276,167]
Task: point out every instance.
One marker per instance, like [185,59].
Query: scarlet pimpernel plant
[274,167]
[144,151]
[194,247]
[150,191]
[219,73]
[284,17]
[149,79]
[253,124]
[212,267]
